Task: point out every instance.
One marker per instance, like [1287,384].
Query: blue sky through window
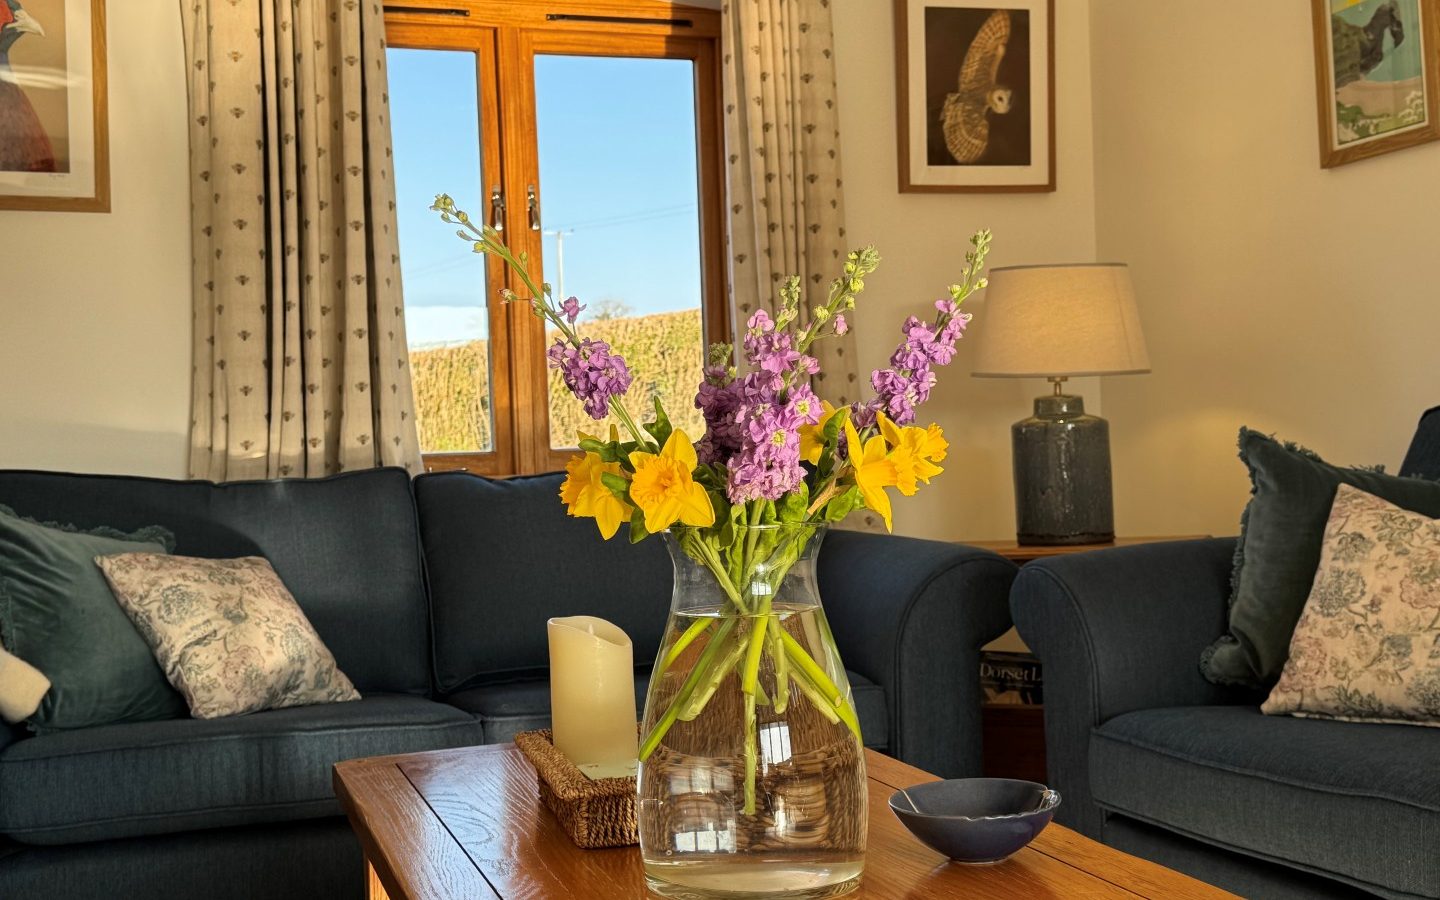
[618,177]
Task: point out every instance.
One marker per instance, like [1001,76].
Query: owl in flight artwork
[965,116]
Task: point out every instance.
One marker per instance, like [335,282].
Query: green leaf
[834,426]
[618,485]
[659,429]
[842,505]
[637,527]
[792,506]
[721,505]
[590,445]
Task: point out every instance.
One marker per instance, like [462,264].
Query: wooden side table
[1014,734]
[1021,554]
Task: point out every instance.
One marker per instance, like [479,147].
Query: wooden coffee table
[468,823]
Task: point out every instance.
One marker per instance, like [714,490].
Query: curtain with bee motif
[782,145]
[300,361]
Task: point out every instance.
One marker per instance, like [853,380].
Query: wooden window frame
[506,36]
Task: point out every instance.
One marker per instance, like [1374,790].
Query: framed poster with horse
[1377,76]
[975,82]
[54,134]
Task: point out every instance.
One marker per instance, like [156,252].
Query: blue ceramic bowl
[976,820]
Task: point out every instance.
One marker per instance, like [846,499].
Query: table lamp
[1056,322]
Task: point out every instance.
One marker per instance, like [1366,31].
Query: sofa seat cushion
[505,710]
[1355,802]
[142,778]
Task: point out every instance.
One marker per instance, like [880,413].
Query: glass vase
[752,773]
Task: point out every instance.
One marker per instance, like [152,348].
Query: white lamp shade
[1051,321]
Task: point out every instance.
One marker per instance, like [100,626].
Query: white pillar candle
[592,695]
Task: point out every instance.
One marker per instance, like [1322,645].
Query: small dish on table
[976,820]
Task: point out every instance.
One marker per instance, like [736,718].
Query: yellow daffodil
[664,488]
[914,451]
[812,437]
[872,470]
[585,494]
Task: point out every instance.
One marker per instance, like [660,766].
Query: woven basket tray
[595,814]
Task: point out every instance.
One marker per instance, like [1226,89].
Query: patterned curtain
[782,142]
[300,362]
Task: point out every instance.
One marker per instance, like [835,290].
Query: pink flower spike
[841,326]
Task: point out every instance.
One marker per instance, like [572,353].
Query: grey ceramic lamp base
[1062,475]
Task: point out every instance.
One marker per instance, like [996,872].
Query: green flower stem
[782,664]
[809,669]
[758,628]
[817,700]
[751,753]
[712,680]
[722,577]
[696,628]
[702,667]
[492,245]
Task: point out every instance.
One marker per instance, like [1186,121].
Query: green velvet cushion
[1282,530]
[57,614]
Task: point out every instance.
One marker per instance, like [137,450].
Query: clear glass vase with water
[752,773]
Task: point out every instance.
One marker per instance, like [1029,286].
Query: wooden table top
[468,823]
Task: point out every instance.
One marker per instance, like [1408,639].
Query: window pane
[435,118]
[620,183]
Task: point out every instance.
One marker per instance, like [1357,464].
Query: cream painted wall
[95,308]
[1273,293]
[922,239]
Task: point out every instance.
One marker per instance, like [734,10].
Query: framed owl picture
[975,84]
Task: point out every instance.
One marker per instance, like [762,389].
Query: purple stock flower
[841,326]
[591,372]
[571,309]
[718,404]
[909,380]
[767,466]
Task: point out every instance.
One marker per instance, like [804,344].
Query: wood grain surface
[468,823]
[1020,554]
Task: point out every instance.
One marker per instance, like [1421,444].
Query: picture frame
[55,145]
[975,95]
[1375,94]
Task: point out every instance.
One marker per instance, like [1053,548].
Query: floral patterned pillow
[226,632]
[1367,647]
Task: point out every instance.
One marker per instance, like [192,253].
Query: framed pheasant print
[975,81]
[1377,73]
[54,137]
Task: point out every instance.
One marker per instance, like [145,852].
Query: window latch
[532,202]
[497,208]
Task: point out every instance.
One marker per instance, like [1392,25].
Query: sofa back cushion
[347,547]
[1423,458]
[504,557]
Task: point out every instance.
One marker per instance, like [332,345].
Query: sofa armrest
[1120,630]
[911,616]
[9,734]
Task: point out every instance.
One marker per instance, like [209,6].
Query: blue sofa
[1155,760]
[433,595]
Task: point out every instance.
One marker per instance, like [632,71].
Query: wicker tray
[594,814]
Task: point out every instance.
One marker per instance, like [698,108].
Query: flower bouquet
[750,742]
